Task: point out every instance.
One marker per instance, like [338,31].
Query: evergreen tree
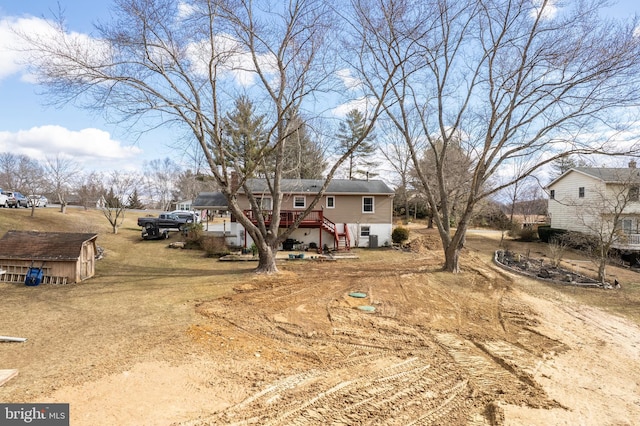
[244,136]
[350,132]
[303,157]
[134,201]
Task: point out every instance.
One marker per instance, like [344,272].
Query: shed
[66,257]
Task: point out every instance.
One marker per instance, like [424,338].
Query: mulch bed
[538,269]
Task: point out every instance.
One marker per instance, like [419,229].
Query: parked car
[11,200]
[187,215]
[3,200]
[22,201]
[38,200]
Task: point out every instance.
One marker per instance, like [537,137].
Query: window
[299,202]
[367,205]
[365,231]
[634,193]
[331,202]
[581,192]
[552,194]
[627,226]
[264,203]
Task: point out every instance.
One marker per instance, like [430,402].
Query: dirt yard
[481,348]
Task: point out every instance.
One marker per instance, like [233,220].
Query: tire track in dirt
[426,356]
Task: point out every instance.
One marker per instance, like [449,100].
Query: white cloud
[235,62]
[547,9]
[361,104]
[350,82]
[10,43]
[91,148]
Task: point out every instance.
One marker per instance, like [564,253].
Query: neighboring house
[65,257]
[587,200]
[351,213]
[184,205]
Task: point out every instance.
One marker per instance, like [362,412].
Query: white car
[4,200]
[37,200]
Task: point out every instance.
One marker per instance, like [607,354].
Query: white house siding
[568,211]
[564,209]
[235,234]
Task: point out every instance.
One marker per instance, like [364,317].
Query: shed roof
[32,245]
[210,200]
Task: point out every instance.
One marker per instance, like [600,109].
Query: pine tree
[134,201]
[351,132]
[303,156]
[244,136]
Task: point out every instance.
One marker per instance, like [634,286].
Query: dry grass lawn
[162,336]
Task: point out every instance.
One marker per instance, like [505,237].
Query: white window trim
[304,201]
[362,228]
[373,205]
[333,197]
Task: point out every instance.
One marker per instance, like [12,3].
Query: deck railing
[287,217]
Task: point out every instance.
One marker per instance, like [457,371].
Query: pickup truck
[164,221]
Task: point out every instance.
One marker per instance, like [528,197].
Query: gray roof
[611,175]
[312,186]
[210,200]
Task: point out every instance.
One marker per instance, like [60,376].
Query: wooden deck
[314,219]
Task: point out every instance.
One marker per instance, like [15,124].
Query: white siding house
[588,199]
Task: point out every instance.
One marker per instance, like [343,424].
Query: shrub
[399,235]
[214,246]
[546,233]
[527,234]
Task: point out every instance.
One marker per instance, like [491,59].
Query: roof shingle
[32,245]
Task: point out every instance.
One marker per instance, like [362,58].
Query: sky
[30,126]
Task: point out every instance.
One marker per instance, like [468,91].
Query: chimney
[632,164]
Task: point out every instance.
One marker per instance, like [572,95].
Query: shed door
[87,265]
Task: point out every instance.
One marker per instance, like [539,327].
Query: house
[64,257]
[587,200]
[351,213]
[184,205]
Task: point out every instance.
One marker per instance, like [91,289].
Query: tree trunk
[451,258]
[602,273]
[266,260]
[452,249]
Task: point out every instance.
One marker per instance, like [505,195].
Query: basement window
[365,231]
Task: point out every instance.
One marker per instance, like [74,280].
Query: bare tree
[154,61]
[160,181]
[398,157]
[90,189]
[504,81]
[35,183]
[114,203]
[61,174]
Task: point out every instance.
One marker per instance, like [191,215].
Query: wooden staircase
[341,239]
